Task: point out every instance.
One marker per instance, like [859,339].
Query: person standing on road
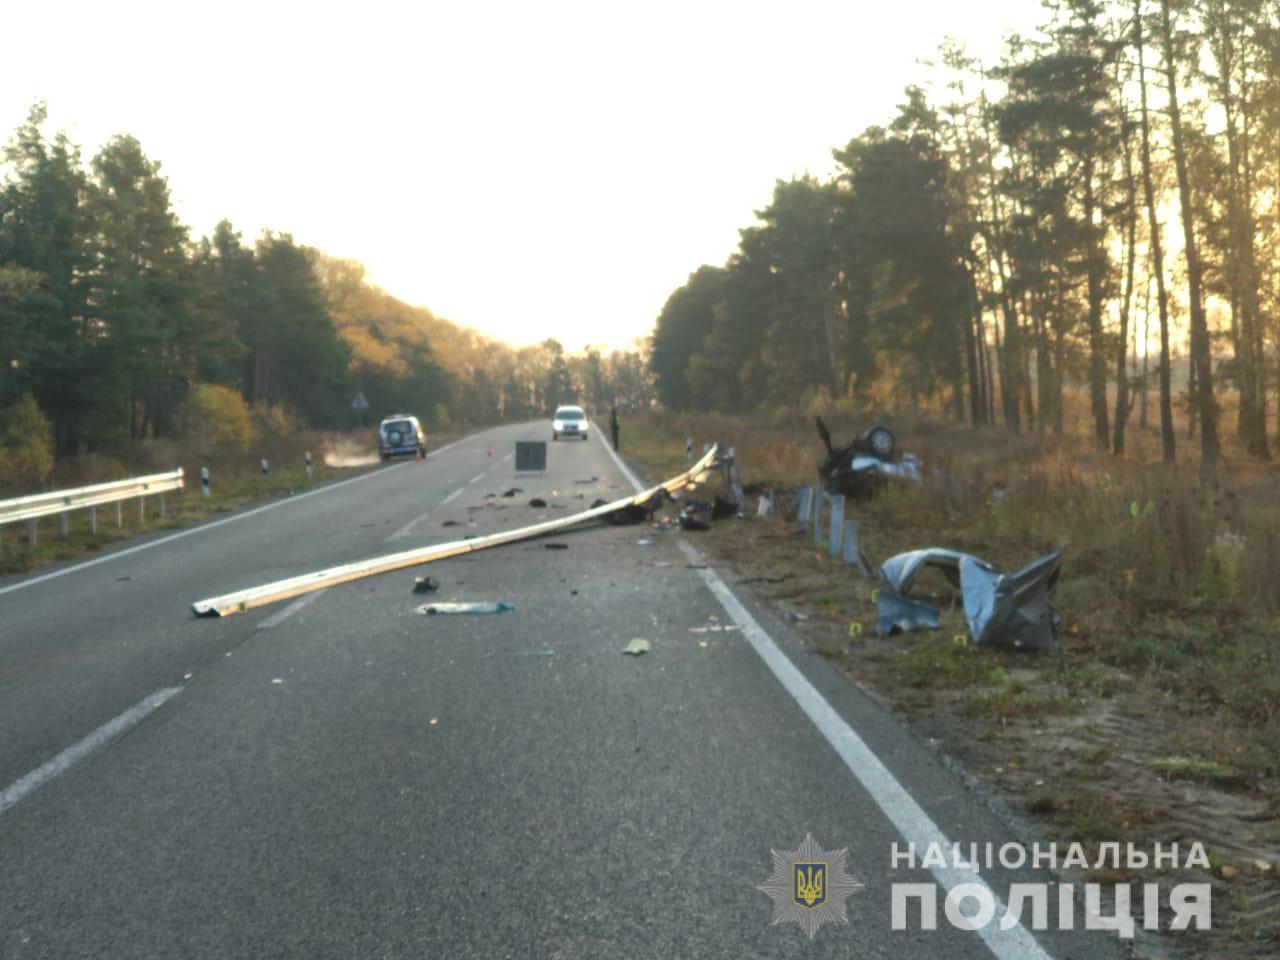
[613,425]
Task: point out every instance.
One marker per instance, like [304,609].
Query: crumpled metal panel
[1004,610]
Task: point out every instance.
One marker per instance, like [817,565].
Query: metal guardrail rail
[34,506]
[243,600]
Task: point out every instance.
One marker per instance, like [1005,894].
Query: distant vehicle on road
[569,422]
[400,434]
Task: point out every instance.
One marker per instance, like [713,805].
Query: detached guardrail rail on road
[61,502]
[243,600]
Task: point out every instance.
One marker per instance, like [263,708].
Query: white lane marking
[408,527]
[478,477]
[69,757]
[907,816]
[508,457]
[453,496]
[626,471]
[202,528]
[282,615]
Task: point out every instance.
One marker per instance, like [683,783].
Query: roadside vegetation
[1159,717]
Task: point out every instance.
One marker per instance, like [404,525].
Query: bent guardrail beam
[295,586]
[37,505]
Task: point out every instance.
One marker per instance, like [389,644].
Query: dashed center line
[478,477]
[453,496]
[80,750]
[408,527]
[278,618]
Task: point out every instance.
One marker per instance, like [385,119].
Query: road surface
[341,776]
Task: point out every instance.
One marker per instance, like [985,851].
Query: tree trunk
[1097,356]
[1201,356]
[1168,442]
[1123,403]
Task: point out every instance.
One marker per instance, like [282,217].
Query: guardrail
[31,508]
[243,600]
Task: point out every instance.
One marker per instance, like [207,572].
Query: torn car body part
[1002,610]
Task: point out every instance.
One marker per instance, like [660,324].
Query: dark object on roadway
[859,470]
[537,502]
[598,503]
[688,522]
[512,492]
[696,506]
[723,508]
[636,512]
[531,455]
[556,546]
[1004,610]
[451,523]
[425,585]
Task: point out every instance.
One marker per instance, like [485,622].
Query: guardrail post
[63,523]
[852,549]
[204,481]
[162,506]
[119,515]
[31,533]
[142,510]
[93,519]
[802,508]
[818,497]
[837,525]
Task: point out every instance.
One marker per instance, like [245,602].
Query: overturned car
[860,469]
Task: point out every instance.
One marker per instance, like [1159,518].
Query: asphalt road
[345,777]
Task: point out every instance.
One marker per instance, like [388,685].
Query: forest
[116,325]
[1091,219]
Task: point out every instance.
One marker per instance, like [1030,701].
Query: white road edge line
[453,496]
[893,799]
[79,751]
[204,527]
[281,616]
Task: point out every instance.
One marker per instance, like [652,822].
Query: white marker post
[204,481]
[266,467]
[307,461]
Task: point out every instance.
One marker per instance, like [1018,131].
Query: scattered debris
[1004,610]
[556,546]
[688,522]
[425,585]
[434,608]
[534,653]
[637,647]
[537,502]
[512,492]
[644,542]
[277,679]
[592,480]
[695,566]
[451,523]
[434,721]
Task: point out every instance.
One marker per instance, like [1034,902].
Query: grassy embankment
[1159,717]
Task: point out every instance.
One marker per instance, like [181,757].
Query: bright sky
[527,169]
